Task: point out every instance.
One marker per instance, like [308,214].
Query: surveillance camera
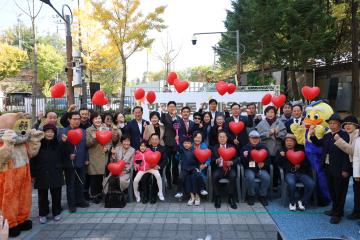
[193,40]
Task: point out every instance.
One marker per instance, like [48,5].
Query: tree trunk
[294,85]
[355,60]
[123,84]
[35,74]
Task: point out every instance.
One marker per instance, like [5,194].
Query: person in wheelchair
[255,169]
[228,172]
[296,173]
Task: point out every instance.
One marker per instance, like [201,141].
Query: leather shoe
[144,200]
[251,200]
[72,209]
[353,216]
[335,220]
[329,213]
[217,202]
[83,205]
[14,232]
[263,201]
[152,200]
[232,203]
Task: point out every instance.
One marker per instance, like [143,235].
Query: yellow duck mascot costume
[18,143]
[316,115]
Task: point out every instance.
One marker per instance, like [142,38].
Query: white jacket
[356,159]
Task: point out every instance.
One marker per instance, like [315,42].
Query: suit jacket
[338,160]
[132,129]
[289,122]
[242,137]
[215,155]
[163,160]
[170,133]
[183,132]
[150,129]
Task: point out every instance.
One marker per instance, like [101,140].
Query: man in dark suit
[241,139]
[337,166]
[168,119]
[136,127]
[213,104]
[220,172]
[187,126]
[296,117]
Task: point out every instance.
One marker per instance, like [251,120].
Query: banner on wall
[194,100]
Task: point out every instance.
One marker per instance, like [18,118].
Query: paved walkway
[168,220]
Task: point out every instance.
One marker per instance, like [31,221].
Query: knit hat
[289,135]
[334,117]
[350,120]
[254,134]
[50,126]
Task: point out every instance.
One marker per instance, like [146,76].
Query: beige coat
[348,147]
[97,155]
[150,130]
[128,157]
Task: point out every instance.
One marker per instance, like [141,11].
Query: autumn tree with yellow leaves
[126,28]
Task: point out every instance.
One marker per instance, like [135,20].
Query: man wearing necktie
[296,117]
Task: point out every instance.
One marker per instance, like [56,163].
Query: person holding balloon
[297,169]
[146,162]
[75,156]
[224,160]
[98,142]
[190,173]
[256,161]
[124,152]
[200,144]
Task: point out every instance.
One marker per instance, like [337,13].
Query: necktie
[187,126]
[297,120]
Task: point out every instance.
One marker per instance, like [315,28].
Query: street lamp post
[238,53]
[69,65]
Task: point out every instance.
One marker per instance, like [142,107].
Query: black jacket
[215,155]
[170,133]
[46,167]
[163,161]
[132,129]
[245,160]
[289,122]
[187,158]
[242,137]
[213,135]
[338,160]
[182,131]
[305,167]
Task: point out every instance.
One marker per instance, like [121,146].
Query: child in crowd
[142,167]
[46,171]
[190,173]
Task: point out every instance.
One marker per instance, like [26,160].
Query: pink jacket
[141,156]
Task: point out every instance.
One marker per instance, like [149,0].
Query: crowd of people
[83,167]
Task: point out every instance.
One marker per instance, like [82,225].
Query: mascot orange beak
[310,122]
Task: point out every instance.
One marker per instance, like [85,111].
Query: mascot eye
[316,116]
[308,116]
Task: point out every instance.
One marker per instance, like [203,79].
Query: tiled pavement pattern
[168,220]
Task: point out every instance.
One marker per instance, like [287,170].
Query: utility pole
[83,81]
[355,57]
[69,63]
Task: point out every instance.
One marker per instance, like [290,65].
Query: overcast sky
[183,18]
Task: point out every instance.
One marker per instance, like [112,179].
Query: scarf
[271,121]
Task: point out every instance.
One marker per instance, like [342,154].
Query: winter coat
[273,142]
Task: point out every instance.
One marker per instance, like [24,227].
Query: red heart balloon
[278,101]
[58,90]
[259,155]
[151,97]
[221,87]
[152,158]
[227,153]
[139,93]
[180,85]
[171,77]
[310,93]
[295,157]
[266,99]
[116,168]
[236,127]
[104,137]
[202,155]
[75,136]
[99,98]
[231,88]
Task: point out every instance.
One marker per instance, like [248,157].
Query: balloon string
[72,162]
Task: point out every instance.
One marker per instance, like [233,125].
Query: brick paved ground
[168,220]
